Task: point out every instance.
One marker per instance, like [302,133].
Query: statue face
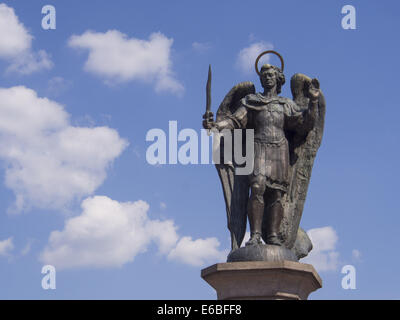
[268,78]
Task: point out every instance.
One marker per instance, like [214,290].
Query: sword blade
[208,90]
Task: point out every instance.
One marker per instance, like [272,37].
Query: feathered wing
[235,187]
[303,149]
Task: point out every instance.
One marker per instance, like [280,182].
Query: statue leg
[256,210]
[274,217]
[234,244]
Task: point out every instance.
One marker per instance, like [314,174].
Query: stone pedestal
[262,280]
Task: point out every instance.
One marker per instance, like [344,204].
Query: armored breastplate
[268,124]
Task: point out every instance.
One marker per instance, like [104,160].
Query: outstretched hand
[313,92]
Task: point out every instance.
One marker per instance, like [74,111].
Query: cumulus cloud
[16,45]
[48,162]
[323,256]
[197,252]
[247,56]
[14,38]
[109,233]
[6,246]
[117,58]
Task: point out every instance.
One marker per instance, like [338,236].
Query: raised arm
[302,121]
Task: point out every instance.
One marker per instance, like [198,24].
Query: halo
[269,51]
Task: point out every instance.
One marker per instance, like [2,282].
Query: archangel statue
[287,134]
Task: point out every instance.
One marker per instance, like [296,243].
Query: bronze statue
[287,135]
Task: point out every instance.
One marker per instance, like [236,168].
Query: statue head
[271,76]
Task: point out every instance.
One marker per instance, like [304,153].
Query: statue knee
[257,192]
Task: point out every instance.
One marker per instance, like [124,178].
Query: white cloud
[201,47]
[14,38]
[27,247]
[57,85]
[30,62]
[198,252]
[109,233]
[323,256]
[117,58]
[16,45]
[50,163]
[6,246]
[247,56]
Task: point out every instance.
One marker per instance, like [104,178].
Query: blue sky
[78,158]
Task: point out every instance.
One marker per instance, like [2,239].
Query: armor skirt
[271,164]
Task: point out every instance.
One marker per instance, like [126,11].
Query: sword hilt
[208,116]
[208,119]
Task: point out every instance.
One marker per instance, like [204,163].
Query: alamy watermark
[49,280]
[49,20]
[349,20]
[227,147]
[349,280]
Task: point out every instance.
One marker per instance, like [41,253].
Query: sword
[208,113]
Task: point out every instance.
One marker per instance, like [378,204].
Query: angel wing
[303,149]
[235,187]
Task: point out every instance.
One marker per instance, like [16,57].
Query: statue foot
[274,240]
[255,239]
